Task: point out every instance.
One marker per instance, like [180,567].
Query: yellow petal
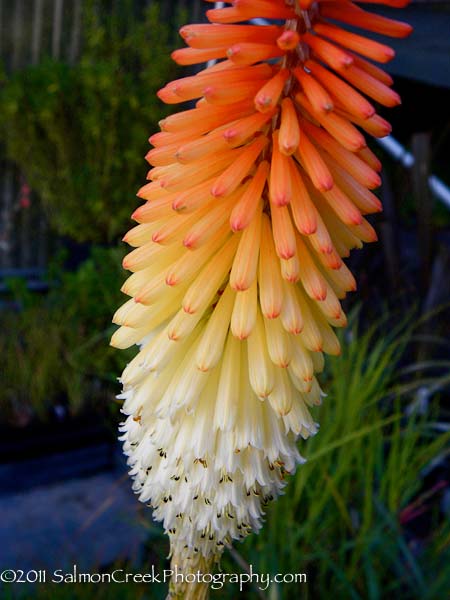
[282,396]
[260,367]
[213,339]
[228,397]
[245,263]
[243,318]
[291,314]
[202,291]
[278,342]
[270,281]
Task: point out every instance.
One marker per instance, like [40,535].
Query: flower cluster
[256,194]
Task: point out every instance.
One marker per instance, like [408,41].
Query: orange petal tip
[293,278]
[286,255]
[272,315]
[320,296]
[288,40]
[308,230]
[239,286]
[295,331]
[236,226]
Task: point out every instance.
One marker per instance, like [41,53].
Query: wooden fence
[30,30]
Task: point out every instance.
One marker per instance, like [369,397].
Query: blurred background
[368,516]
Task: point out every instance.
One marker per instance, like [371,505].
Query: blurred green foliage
[78,132]
[55,347]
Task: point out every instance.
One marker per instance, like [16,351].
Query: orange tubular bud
[240,168]
[373,50]
[159,157]
[371,86]
[206,145]
[189,88]
[370,159]
[280,189]
[283,231]
[208,225]
[193,56]
[358,193]
[211,36]
[226,15]
[218,95]
[243,129]
[154,210]
[216,66]
[139,235]
[151,191]
[341,91]
[174,179]
[376,125]
[248,53]
[270,93]
[288,40]
[205,286]
[313,282]
[164,138]
[349,161]
[289,134]
[173,229]
[343,206]
[138,258]
[303,210]
[329,53]
[372,69]
[245,265]
[365,232]
[192,261]
[195,197]
[244,211]
[353,15]
[201,120]
[244,10]
[340,128]
[168,95]
[311,160]
[314,91]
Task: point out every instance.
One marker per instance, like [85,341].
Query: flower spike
[258,189]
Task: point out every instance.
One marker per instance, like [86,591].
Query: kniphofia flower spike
[257,191]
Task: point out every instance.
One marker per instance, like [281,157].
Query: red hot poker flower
[256,194]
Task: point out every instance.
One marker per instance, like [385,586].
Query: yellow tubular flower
[255,195]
